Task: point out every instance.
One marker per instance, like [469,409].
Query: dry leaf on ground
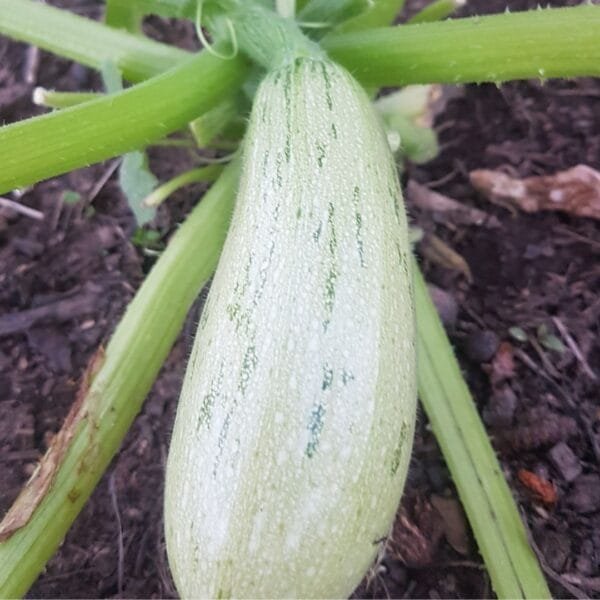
[575,191]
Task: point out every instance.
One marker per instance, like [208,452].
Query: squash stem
[113,124]
[543,43]
[484,493]
[116,387]
[268,38]
[85,41]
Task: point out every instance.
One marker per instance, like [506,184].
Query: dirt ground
[525,326]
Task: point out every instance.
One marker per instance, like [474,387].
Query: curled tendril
[204,41]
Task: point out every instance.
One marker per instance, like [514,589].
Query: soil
[66,280]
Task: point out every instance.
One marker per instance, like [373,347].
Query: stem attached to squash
[558,42]
[266,37]
[113,392]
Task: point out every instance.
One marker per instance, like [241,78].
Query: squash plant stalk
[553,42]
[513,567]
[544,43]
[85,41]
[124,373]
[55,143]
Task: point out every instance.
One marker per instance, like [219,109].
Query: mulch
[535,279]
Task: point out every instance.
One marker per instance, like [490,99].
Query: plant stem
[558,42]
[436,11]
[266,37]
[85,41]
[52,144]
[494,517]
[213,122]
[127,370]
[162,192]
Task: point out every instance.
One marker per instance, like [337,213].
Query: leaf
[137,182]
[455,524]
[575,191]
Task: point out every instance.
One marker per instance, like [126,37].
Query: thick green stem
[124,374]
[52,144]
[484,493]
[85,41]
[266,37]
[537,44]
[559,42]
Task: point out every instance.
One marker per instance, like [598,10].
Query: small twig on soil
[527,360]
[22,209]
[70,307]
[544,358]
[115,504]
[574,348]
[589,583]
[573,590]
[102,181]
[20,455]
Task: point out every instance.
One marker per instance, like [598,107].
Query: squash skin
[294,428]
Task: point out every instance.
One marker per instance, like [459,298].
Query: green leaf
[518,333]
[137,182]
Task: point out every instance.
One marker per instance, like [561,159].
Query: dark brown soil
[65,281]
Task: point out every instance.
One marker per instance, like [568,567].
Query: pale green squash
[294,428]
